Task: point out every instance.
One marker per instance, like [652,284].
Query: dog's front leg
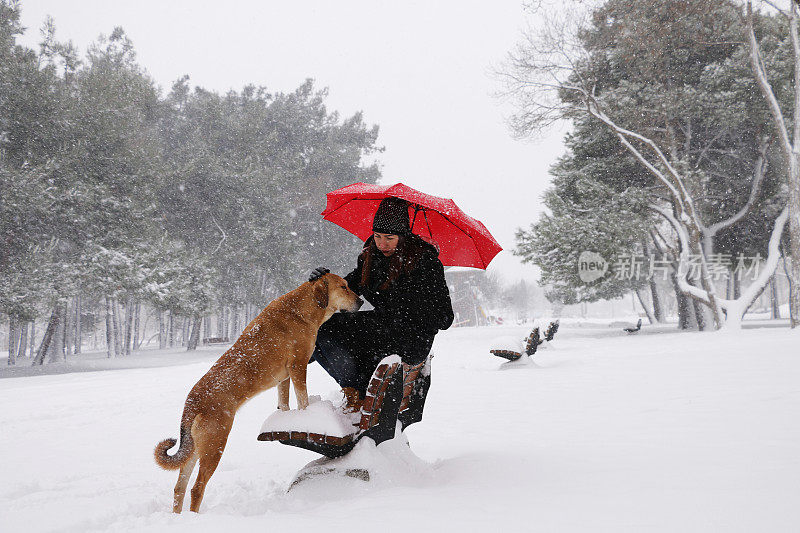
[297,372]
[283,395]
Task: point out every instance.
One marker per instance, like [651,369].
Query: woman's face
[386,243]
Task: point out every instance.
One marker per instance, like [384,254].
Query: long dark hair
[409,249]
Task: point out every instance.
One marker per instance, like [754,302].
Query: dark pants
[349,364]
[350,346]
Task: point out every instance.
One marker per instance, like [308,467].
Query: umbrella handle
[417,209]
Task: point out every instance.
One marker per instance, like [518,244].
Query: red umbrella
[461,239]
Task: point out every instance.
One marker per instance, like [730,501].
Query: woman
[401,276]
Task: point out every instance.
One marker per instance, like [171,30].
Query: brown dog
[274,348]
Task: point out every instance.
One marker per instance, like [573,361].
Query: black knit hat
[391,217]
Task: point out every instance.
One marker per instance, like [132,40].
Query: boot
[353,399]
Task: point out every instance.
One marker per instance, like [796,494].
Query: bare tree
[789,142]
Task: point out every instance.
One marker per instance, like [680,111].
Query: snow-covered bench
[216,340]
[512,348]
[396,393]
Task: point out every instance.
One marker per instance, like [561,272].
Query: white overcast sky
[421,70]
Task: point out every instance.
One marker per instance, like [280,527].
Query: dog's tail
[185,450]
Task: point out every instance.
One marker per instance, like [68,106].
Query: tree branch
[796,52]
[758,178]
[695,293]
[594,109]
[766,89]
[773,256]
[224,236]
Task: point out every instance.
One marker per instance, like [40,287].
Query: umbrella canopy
[461,239]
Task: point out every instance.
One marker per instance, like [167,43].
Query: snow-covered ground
[659,431]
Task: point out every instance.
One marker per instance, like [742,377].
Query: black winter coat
[408,312]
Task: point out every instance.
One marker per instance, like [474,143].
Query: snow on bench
[320,422]
[508,347]
[322,426]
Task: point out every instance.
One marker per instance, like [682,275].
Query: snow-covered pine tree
[653,77]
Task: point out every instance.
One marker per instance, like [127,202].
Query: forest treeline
[121,204]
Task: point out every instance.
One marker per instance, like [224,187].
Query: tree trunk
[707,315]
[775,303]
[691,317]
[119,310]
[207,327]
[749,304]
[702,288]
[700,315]
[647,311]
[686,318]
[185,332]
[78,324]
[235,329]
[171,329]
[33,339]
[69,328]
[136,318]
[143,330]
[117,323]
[701,311]
[195,336]
[94,335]
[13,338]
[162,330]
[658,308]
[23,340]
[110,341]
[794,276]
[794,203]
[790,287]
[128,325]
[47,339]
[56,352]
[64,329]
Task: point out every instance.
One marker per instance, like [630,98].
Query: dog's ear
[321,293]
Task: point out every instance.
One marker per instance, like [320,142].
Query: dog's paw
[283,407]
